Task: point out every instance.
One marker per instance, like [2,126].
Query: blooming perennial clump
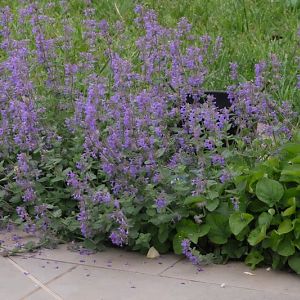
[99,145]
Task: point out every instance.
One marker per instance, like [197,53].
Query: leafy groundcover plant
[256,218]
[103,148]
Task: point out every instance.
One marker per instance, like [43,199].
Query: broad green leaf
[296,224]
[289,211]
[278,262]
[296,160]
[193,199]
[285,227]
[297,243]
[177,240]
[186,226]
[224,209]
[163,233]
[219,228]
[257,235]
[292,148]
[191,230]
[291,173]
[151,212]
[257,206]
[254,178]
[273,162]
[211,183]
[269,191]
[161,219]
[161,248]
[211,195]
[291,170]
[212,204]
[241,184]
[142,242]
[265,219]
[203,230]
[291,193]
[294,263]
[254,258]
[272,241]
[289,178]
[233,249]
[286,247]
[238,221]
[243,234]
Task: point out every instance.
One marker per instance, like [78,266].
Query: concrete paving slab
[232,274]
[106,284]
[41,295]
[118,274]
[13,283]
[117,259]
[44,270]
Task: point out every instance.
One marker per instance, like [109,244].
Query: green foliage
[267,222]
[269,191]
[294,263]
[238,222]
[219,228]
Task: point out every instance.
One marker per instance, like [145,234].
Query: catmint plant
[106,146]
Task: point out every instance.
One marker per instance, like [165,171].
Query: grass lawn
[251,30]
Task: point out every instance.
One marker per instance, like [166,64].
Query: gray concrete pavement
[116,275]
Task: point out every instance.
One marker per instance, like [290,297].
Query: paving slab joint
[35,280]
[169,267]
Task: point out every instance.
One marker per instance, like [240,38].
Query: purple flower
[217,160]
[30,228]
[29,195]
[259,69]
[233,71]
[22,213]
[40,210]
[73,180]
[187,251]
[225,176]
[102,197]
[83,217]
[119,237]
[209,144]
[160,203]
[235,203]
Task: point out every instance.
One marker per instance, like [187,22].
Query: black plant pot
[221,98]
[221,101]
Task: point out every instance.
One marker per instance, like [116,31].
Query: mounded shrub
[104,148]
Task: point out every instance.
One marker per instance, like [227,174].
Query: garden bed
[101,145]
